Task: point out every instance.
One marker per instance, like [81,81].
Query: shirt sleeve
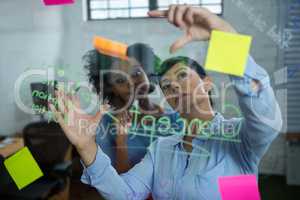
[262,117]
[135,184]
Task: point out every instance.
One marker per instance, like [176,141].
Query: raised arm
[135,184]
[262,117]
[196,22]
[112,138]
[122,159]
[77,125]
[257,101]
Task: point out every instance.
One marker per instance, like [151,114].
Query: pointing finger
[180,43]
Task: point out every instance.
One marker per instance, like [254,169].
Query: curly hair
[94,62]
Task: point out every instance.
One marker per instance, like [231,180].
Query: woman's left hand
[196,22]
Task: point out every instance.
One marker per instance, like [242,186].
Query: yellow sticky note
[23,168]
[228,53]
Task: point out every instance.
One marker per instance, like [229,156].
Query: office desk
[10,149]
[293,136]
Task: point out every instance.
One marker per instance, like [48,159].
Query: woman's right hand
[79,127]
[196,22]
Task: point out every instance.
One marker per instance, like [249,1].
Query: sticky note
[243,187]
[228,53]
[57,2]
[23,168]
[110,47]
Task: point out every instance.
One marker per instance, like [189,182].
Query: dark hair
[170,62]
[94,62]
[144,54]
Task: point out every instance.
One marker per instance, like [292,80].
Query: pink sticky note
[242,187]
[57,2]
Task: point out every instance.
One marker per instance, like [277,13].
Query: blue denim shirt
[168,172]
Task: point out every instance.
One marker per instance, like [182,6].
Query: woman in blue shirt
[175,167]
[125,83]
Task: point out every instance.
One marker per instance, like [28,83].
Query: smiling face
[185,91]
[128,80]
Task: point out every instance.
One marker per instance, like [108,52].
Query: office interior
[40,42]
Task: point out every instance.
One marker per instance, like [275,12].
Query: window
[113,9]
[291,61]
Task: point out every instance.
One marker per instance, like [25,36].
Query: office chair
[40,189]
[47,143]
[49,147]
[4,178]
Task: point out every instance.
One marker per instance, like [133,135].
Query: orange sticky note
[110,47]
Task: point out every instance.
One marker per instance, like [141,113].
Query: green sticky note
[23,168]
[228,53]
